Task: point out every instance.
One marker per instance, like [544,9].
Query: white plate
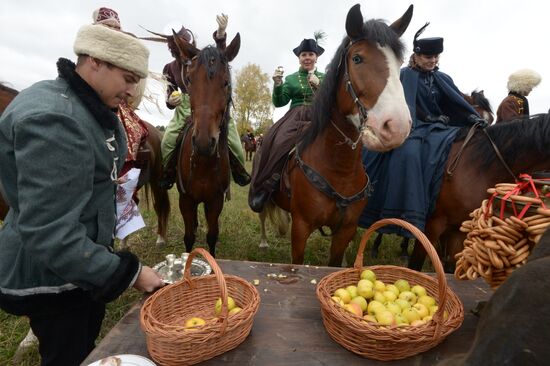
[130,360]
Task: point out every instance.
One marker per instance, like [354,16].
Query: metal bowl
[199,267]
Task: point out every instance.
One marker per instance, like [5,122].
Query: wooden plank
[288,329]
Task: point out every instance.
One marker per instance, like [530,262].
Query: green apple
[402,285]
[367,274]
[409,296]
[360,300]
[378,296]
[421,309]
[370,318]
[400,320]
[379,286]
[194,323]
[230,304]
[385,317]
[343,294]
[393,307]
[365,289]
[426,300]
[411,315]
[235,310]
[393,289]
[404,304]
[352,290]
[375,306]
[389,295]
[418,290]
[354,309]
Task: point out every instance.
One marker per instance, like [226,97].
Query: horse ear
[401,24]
[185,48]
[354,22]
[233,49]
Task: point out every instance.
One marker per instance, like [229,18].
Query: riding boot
[258,200]
[168,173]
[239,173]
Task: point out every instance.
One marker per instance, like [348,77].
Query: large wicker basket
[385,342]
[163,316]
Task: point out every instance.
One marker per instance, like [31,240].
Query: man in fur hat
[61,147]
[516,105]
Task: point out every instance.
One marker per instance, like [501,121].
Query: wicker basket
[385,342]
[164,313]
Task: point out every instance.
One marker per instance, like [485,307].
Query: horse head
[369,92]
[208,81]
[482,105]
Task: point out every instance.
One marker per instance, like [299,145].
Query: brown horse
[249,146]
[523,146]
[481,104]
[6,96]
[203,158]
[360,101]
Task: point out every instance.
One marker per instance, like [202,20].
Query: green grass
[239,239]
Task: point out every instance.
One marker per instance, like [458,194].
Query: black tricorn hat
[309,45]
[427,46]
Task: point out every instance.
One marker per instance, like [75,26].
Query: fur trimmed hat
[523,81]
[113,46]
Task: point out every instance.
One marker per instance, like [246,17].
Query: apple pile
[195,322]
[397,304]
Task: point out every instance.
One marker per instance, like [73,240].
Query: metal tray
[199,268]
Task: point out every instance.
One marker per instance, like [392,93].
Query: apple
[400,320]
[343,294]
[409,296]
[337,300]
[378,296]
[427,318]
[352,290]
[418,290]
[230,304]
[393,289]
[385,317]
[433,309]
[194,323]
[421,309]
[404,304]
[360,300]
[370,318]
[365,289]
[402,285]
[426,300]
[354,309]
[411,315]
[368,274]
[375,306]
[393,307]
[379,286]
[389,295]
[235,310]
[418,322]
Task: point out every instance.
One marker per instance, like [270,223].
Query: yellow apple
[393,307]
[411,315]
[337,300]
[379,286]
[427,318]
[375,306]
[343,294]
[368,274]
[418,290]
[352,290]
[370,318]
[235,310]
[426,300]
[409,296]
[404,304]
[389,295]
[378,296]
[433,309]
[393,289]
[402,285]
[365,289]
[230,304]
[385,317]
[194,323]
[354,309]
[421,309]
[400,320]
[360,300]
[418,322]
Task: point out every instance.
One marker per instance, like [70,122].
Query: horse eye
[357,59]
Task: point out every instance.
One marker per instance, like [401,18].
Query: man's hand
[222,25]
[278,76]
[148,280]
[174,99]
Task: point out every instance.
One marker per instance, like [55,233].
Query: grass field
[239,239]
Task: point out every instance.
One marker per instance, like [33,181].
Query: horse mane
[512,138]
[480,99]
[325,98]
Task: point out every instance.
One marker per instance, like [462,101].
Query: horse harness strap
[497,152]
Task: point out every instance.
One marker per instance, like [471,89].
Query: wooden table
[288,329]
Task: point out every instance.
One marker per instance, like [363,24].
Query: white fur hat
[523,81]
[113,46]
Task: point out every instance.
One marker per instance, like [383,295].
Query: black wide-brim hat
[428,46]
[309,45]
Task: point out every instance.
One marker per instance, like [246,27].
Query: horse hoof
[263,244]
[160,242]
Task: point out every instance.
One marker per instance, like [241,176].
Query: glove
[313,80]
[482,122]
[174,99]
[278,76]
[222,25]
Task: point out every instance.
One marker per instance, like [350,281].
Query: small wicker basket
[384,342]
[163,316]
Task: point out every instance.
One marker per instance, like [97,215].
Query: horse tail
[278,217]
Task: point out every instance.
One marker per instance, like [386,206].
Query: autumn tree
[252,99]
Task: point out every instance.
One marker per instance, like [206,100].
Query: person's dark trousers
[66,324]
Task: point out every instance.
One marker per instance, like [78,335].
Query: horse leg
[188,209]
[263,237]
[405,248]
[161,204]
[452,243]
[340,242]
[300,232]
[212,212]
[434,229]
[376,246]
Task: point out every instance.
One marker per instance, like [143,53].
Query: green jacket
[60,149]
[295,89]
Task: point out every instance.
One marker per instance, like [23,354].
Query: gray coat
[60,149]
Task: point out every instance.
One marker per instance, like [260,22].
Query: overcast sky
[484,40]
